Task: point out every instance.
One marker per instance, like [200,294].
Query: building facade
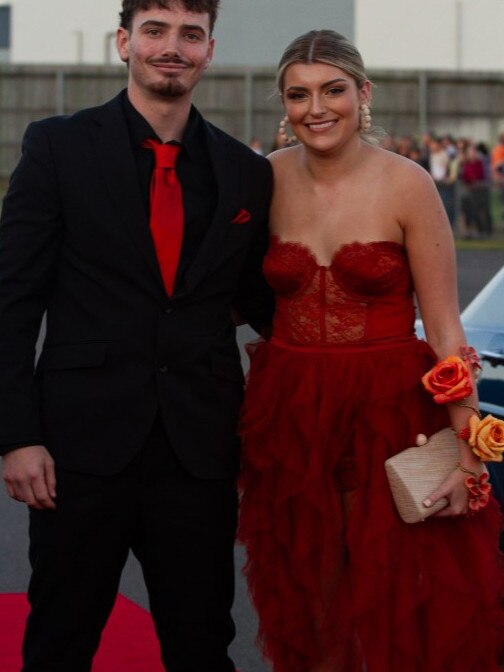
[438,65]
[249,32]
[463,35]
[458,35]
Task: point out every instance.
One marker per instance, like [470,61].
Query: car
[483,322]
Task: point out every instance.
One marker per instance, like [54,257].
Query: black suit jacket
[75,242]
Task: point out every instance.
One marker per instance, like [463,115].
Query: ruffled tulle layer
[340,583]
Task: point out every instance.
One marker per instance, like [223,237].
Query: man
[443,169]
[125,437]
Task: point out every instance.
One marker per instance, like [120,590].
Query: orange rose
[449,380]
[487,438]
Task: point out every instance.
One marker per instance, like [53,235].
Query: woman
[340,583]
[476,201]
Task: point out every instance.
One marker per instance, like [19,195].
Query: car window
[487,308]
[491,384]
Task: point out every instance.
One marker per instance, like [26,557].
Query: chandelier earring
[282,131]
[364,118]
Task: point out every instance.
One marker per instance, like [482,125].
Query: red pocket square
[242,217]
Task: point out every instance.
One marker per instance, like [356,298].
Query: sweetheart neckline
[337,252]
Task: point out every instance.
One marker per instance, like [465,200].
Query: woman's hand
[454,489]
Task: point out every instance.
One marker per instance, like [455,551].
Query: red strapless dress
[335,575]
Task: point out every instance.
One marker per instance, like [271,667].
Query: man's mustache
[176,60]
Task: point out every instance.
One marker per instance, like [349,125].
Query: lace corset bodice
[366,293]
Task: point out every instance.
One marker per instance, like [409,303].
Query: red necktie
[166,210]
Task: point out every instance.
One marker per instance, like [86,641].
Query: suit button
[168,310]
[163,369]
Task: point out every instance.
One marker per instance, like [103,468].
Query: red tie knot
[164,155]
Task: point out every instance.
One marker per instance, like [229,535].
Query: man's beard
[172,88]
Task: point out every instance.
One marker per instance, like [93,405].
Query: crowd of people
[465,172]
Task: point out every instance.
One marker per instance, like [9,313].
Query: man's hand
[30,477]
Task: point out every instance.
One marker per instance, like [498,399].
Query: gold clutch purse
[416,472]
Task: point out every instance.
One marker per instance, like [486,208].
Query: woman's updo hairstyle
[323,46]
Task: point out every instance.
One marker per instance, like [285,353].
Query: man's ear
[122,44]
[210,52]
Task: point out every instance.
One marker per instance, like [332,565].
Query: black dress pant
[182,531]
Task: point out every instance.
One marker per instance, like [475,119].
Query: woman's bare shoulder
[406,167]
[403,174]
[282,157]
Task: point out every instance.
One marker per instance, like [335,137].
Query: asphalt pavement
[475,268]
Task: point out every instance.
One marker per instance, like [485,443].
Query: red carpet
[129,642]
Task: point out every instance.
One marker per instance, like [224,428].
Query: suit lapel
[117,166]
[227,176]
[116,163]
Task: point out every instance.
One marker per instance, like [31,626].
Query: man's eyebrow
[164,24]
[153,22]
[193,26]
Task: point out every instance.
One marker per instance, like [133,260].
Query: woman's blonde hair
[323,46]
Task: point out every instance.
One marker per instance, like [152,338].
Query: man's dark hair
[129,7]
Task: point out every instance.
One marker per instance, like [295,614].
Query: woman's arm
[431,251]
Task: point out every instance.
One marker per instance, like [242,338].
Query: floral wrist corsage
[486,438]
[450,381]
[478,488]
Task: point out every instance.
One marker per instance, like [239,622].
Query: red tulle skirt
[340,583]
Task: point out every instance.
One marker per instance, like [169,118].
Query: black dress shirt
[194,170]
